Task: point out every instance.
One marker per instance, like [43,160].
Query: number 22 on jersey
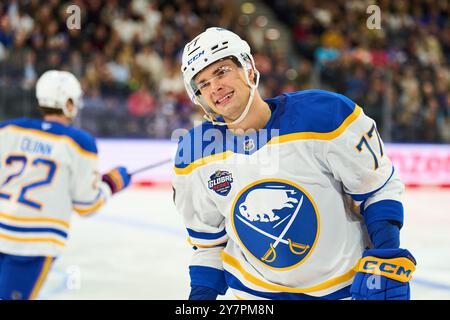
[24,163]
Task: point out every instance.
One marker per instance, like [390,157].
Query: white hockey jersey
[270,211]
[47,170]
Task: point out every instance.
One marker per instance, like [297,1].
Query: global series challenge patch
[220,182]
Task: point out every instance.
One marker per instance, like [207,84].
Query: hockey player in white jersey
[48,169]
[289,232]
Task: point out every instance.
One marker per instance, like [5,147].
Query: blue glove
[202,293]
[383,274]
[117,179]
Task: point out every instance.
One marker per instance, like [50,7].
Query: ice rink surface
[136,248]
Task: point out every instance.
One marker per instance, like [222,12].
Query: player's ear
[251,75]
[69,105]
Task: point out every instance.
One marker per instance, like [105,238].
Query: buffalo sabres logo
[220,182]
[277,222]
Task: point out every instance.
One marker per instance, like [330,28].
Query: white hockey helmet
[54,88]
[210,46]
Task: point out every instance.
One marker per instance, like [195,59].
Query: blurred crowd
[127,56]
[401,70]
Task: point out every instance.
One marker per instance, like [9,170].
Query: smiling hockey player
[289,233]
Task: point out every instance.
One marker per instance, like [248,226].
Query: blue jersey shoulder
[83,139]
[313,111]
[202,140]
[303,111]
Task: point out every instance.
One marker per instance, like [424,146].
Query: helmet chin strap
[210,116]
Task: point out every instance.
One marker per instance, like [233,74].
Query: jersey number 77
[365,142]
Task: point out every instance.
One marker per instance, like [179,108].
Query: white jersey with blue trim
[275,209]
[47,170]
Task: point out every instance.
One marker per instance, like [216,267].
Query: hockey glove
[117,179]
[383,274]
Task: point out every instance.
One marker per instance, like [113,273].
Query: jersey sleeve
[357,158]
[88,192]
[205,227]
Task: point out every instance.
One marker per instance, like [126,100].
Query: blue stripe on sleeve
[22,229]
[206,235]
[208,277]
[365,196]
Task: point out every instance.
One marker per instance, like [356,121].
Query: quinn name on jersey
[36,156]
[289,232]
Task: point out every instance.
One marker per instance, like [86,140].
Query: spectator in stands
[141,103]
[150,63]
[124,44]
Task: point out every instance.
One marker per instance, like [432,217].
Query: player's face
[224,88]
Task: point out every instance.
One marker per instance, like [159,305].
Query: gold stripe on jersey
[319,135]
[90,209]
[202,161]
[206,245]
[228,259]
[276,140]
[49,135]
[34,239]
[34,220]
[42,276]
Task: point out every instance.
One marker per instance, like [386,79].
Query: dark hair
[235,60]
[45,111]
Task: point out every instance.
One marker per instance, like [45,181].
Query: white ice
[136,248]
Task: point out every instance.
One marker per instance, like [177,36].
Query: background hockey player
[289,234]
[48,169]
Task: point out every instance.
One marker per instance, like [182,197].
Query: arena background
[127,56]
